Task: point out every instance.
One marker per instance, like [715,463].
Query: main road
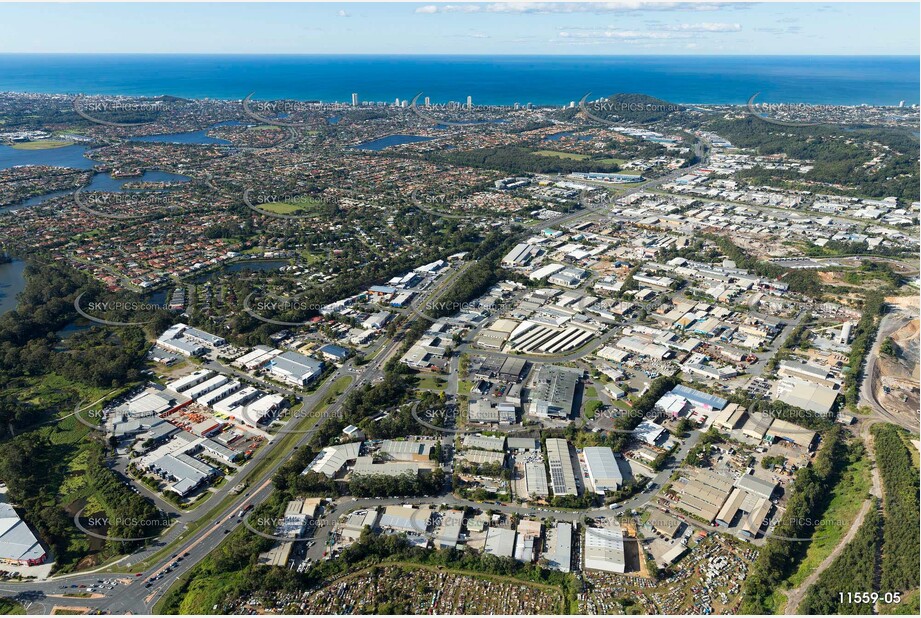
[133,595]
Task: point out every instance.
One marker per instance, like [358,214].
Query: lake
[391,140]
[12,282]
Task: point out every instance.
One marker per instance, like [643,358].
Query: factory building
[553,392]
[562,471]
[604,549]
[603,471]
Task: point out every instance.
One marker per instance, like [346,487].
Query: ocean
[839,80]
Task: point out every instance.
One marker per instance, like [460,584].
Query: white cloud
[706,27]
[449,8]
[624,35]
[577,7]
[471,35]
[344,14]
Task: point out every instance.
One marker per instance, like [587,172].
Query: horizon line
[446,55]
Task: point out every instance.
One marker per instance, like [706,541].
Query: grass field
[9,606]
[912,450]
[432,382]
[43,144]
[909,605]
[591,407]
[847,498]
[299,206]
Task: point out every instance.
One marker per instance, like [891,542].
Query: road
[795,596]
[135,597]
[889,323]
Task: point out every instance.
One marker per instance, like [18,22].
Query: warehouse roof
[331,459]
[603,470]
[500,542]
[17,542]
[757,486]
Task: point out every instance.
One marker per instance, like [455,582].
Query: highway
[178,550]
[134,596]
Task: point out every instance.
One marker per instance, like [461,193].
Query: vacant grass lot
[300,206]
[847,498]
[43,144]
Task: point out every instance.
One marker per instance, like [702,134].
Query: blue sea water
[843,80]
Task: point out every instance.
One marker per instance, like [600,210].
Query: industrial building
[332,459]
[535,337]
[408,450]
[500,542]
[184,472]
[788,432]
[603,471]
[665,524]
[366,466]
[806,395]
[729,418]
[334,353]
[295,368]
[704,494]
[18,544]
[357,522]
[188,341]
[486,443]
[414,521]
[259,356]
[604,549]
[757,486]
[562,471]
[521,255]
[478,457]
[536,479]
[448,529]
[559,554]
[649,432]
[553,392]
[482,411]
[186,382]
[808,373]
[527,540]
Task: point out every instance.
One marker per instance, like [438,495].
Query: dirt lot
[900,374]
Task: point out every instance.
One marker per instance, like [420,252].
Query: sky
[459,28]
